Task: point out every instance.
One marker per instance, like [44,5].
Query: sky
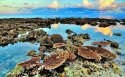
[80,8]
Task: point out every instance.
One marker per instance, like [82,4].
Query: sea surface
[14,53]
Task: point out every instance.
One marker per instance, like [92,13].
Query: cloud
[110,5]
[86,3]
[54,4]
[103,5]
[106,4]
[11,9]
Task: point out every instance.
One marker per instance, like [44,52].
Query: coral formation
[68,55]
[31,53]
[101,43]
[34,61]
[69,58]
[88,54]
[16,71]
[59,45]
[53,62]
[103,52]
[56,38]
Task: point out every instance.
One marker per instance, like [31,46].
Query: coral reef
[42,49]
[101,43]
[59,45]
[103,52]
[31,53]
[88,54]
[56,38]
[68,55]
[53,62]
[34,61]
[15,72]
[35,33]
[69,58]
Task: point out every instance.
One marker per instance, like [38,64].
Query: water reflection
[104,30]
[55,25]
[85,26]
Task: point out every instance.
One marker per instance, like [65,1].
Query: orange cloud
[54,4]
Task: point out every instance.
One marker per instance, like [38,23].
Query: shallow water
[12,54]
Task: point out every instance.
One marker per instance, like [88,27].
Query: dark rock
[114,44]
[31,53]
[104,24]
[117,34]
[122,23]
[85,36]
[56,38]
[42,49]
[35,34]
[5,40]
[68,31]
[46,41]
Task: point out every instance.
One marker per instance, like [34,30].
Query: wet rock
[56,38]
[68,31]
[112,23]
[5,40]
[42,49]
[88,54]
[122,23]
[106,65]
[78,43]
[93,23]
[104,24]
[114,44]
[46,41]
[59,45]
[15,72]
[103,52]
[35,34]
[101,43]
[23,38]
[13,33]
[33,62]
[53,62]
[85,36]
[117,34]
[31,53]
[68,55]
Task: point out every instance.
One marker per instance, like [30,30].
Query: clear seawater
[12,54]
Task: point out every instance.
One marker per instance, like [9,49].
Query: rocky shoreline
[11,28]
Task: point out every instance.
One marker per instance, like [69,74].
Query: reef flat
[67,57]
